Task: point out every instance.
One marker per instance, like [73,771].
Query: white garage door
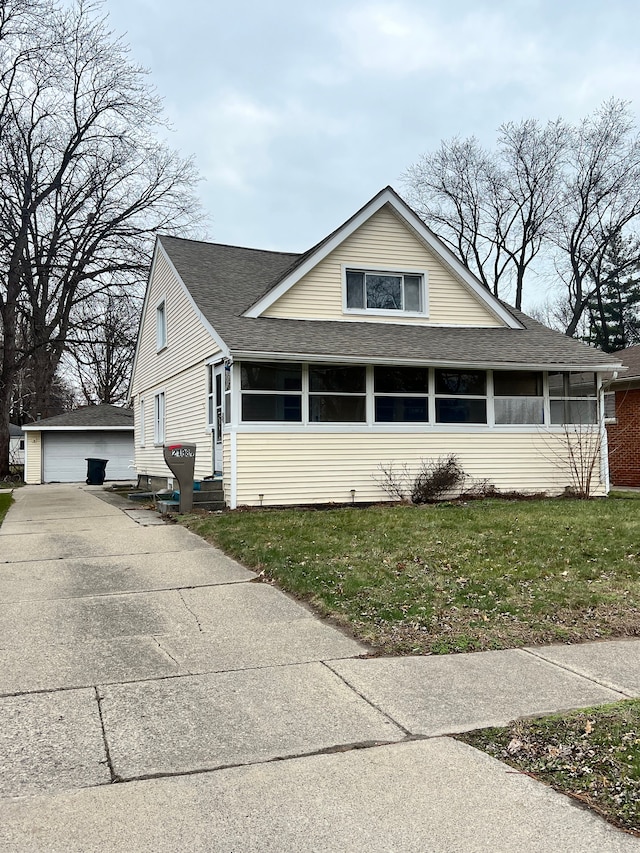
[64,455]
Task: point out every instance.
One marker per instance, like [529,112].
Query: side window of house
[385,292]
[610,405]
[518,397]
[573,398]
[337,394]
[271,392]
[159,418]
[161,326]
[142,425]
[461,396]
[401,394]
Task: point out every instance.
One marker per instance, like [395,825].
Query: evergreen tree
[614,307]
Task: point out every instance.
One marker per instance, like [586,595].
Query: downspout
[604,444]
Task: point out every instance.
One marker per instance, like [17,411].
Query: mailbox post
[181,459]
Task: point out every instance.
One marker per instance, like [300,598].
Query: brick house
[623,430]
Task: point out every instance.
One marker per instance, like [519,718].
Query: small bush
[436,478]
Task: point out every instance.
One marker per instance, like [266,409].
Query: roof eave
[323,358]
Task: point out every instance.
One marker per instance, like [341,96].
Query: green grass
[592,755]
[451,577]
[6,500]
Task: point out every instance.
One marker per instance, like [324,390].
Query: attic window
[161,326]
[384,292]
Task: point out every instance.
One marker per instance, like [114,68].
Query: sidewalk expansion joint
[600,682]
[161,553]
[112,594]
[112,772]
[368,701]
[189,610]
[328,750]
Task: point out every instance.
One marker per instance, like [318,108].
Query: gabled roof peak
[386,196]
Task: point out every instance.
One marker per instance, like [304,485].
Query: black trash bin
[96,469]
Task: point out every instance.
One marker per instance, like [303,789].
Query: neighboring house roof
[15,431]
[630,358]
[224,280]
[104,416]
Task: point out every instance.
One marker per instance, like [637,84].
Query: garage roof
[104,416]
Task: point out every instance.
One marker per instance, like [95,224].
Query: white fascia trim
[141,322]
[37,428]
[319,358]
[404,212]
[207,325]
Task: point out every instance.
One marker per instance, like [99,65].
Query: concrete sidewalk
[132,652]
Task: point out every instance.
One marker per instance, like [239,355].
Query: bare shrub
[576,451]
[437,477]
[395,481]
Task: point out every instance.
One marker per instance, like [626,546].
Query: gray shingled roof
[630,357]
[15,431]
[225,280]
[105,415]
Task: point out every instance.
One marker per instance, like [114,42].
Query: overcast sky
[298,112]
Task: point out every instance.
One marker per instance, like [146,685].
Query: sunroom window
[271,392]
[385,291]
[518,397]
[401,394]
[337,394]
[461,396]
[573,398]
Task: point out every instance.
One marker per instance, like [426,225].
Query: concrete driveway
[154,697]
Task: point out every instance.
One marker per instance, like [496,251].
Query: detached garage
[57,449]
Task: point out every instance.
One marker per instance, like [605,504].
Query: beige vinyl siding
[187,339]
[387,243]
[322,468]
[185,420]
[33,460]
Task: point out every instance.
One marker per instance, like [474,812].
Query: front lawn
[452,577]
[593,755]
[6,499]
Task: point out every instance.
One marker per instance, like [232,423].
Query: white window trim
[371,425]
[159,417]
[161,325]
[383,312]
[141,434]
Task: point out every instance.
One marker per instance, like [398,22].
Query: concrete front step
[166,507]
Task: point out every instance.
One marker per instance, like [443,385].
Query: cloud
[399,39]
[234,133]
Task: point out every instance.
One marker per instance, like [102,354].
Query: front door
[218,416]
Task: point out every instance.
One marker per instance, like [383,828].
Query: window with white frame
[401,394]
[461,396]
[573,397]
[159,417]
[211,405]
[337,393]
[141,424]
[161,325]
[384,292]
[271,392]
[518,397]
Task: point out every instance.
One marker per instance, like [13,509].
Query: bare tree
[84,184]
[600,203]
[493,208]
[100,355]
[556,191]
